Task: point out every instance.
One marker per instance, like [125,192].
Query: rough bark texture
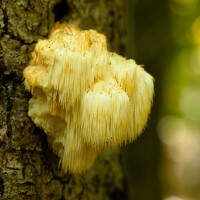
[28,168]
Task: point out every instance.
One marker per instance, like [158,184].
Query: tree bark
[28,168]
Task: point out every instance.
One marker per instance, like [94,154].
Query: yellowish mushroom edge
[84,97]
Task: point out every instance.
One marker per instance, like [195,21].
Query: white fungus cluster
[84,97]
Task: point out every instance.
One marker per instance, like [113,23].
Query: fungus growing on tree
[84,97]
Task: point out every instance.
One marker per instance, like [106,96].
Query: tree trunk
[28,168]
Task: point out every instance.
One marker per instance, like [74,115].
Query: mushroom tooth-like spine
[138,85]
[77,156]
[105,115]
[142,100]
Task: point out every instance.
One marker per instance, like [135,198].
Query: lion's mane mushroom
[84,97]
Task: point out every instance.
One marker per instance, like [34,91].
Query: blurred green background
[164,162]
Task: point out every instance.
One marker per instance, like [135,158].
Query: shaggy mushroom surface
[85,98]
